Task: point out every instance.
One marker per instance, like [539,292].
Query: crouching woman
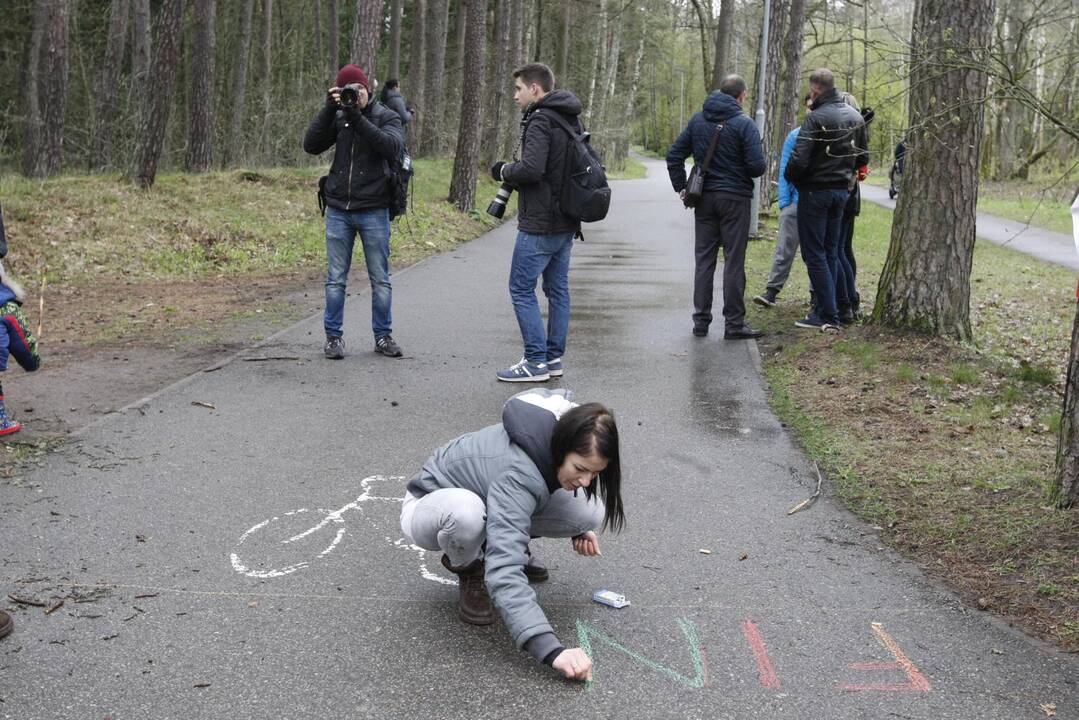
[549,469]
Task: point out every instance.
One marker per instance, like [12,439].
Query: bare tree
[925,283]
[395,39]
[238,88]
[723,42]
[54,74]
[200,138]
[366,32]
[109,84]
[31,104]
[151,135]
[431,127]
[467,157]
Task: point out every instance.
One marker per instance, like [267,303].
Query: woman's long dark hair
[584,429]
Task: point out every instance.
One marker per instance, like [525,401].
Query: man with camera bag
[545,232]
[357,194]
[722,213]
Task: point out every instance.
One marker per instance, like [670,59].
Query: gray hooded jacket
[511,467]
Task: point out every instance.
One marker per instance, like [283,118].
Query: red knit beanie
[349,74]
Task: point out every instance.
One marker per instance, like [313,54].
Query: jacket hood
[529,419]
[719,107]
[832,96]
[563,101]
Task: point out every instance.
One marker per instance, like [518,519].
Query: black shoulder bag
[695,183]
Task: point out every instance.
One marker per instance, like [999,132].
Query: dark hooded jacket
[540,173]
[832,142]
[367,141]
[510,466]
[394,100]
[738,157]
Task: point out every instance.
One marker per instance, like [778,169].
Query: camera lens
[497,208]
[349,97]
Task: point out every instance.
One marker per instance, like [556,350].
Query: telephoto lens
[497,208]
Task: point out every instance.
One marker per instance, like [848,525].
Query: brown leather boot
[473,603]
[6,624]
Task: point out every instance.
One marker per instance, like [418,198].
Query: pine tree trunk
[564,45]
[793,50]
[395,40]
[417,70]
[238,89]
[437,24]
[777,26]
[1065,491]
[335,38]
[454,81]
[141,50]
[54,90]
[200,139]
[319,31]
[366,33]
[925,283]
[31,102]
[467,157]
[109,87]
[155,118]
[723,43]
[495,130]
[267,76]
[517,56]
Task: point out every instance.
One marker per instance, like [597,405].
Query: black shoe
[766,299]
[535,570]
[385,345]
[847,317]
[743,333]
[335,347]
[700,330]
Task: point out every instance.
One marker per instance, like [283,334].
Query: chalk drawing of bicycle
[331,519]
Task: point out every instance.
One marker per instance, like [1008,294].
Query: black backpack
[586,196]
[400,177]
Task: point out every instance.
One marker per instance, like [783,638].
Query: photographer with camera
[369,138]
[545,233]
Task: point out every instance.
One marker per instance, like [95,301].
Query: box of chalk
[607,597]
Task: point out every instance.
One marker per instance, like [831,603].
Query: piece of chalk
[607,597]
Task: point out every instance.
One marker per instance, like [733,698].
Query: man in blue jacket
[787,242]
[722,215]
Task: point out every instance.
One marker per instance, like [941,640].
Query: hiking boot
[335,347]
[847,316]
[473,603]
[384,345]
[743,333]
[535,570]
[6,624]
[554,367]
[525,371]
[766,299]
[7,425]
[700,330]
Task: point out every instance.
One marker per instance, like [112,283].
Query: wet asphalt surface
[164,527]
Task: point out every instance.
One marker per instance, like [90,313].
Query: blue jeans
[374,229]
[820,219]
[533,256]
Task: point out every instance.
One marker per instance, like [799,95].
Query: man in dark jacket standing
[545,234]
[392,98]
[831,144]
[368,138]
[722,215]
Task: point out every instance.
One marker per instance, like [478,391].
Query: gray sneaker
[384,345]
[335,347]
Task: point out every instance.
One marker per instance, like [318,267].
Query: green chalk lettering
[586,632]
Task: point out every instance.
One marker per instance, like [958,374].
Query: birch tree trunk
[366,33]
[237,90]
[597,54]
[437,23]
[467,157]
[925,283]
[109,87]
[200,139]
[166,62]
[31,103]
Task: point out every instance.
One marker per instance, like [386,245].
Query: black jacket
[832,142]
[738,157]
[367,142]
[539,174]
[396,102]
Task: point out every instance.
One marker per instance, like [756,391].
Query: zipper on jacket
[351,155]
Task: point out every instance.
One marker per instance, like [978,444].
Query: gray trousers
[454,520]
[786,248]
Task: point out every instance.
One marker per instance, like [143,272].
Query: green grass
[222,223]
[634,170]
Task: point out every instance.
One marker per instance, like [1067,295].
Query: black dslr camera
[350,96]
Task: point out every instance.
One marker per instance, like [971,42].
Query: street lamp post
[762,70]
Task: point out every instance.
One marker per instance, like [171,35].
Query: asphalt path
[1046,245]
[169,522]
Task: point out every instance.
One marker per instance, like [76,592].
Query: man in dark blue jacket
[368,137]
[722,215]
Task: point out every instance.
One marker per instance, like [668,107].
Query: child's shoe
[7,425]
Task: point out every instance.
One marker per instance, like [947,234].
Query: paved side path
[1046,245]
[245,561]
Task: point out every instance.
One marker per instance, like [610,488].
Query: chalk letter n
[586,633]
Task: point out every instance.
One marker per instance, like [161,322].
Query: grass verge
[947,448]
